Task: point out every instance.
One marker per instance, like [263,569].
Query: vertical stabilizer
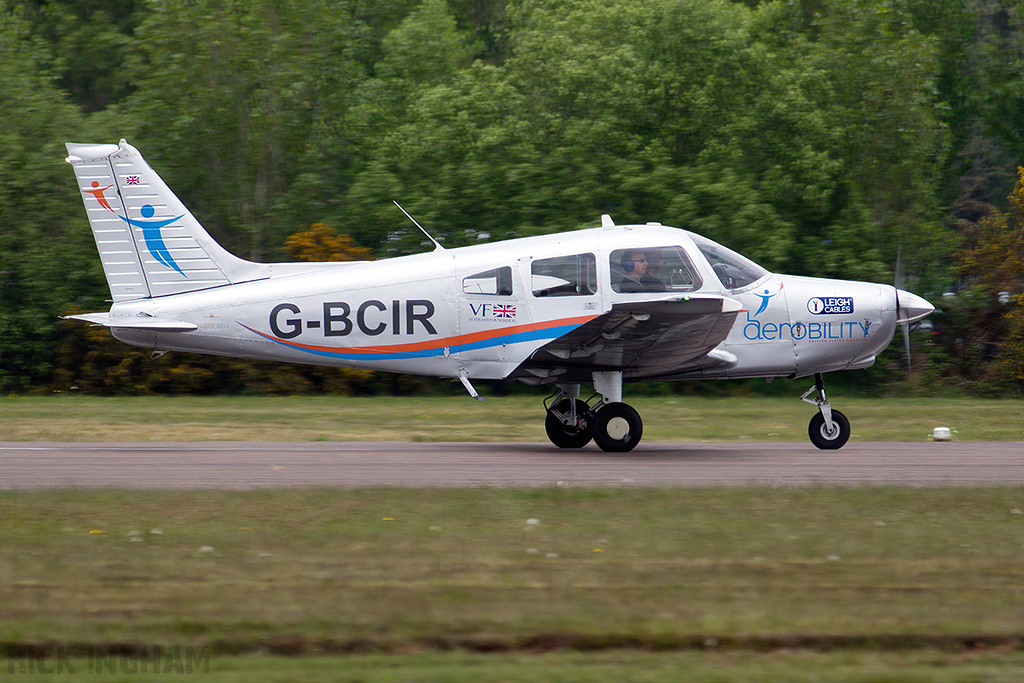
[149,243]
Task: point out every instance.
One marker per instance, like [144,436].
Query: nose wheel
[829,439]
[829,429]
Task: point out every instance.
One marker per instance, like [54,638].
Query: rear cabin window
[652,269]
[495,282]
[574,275]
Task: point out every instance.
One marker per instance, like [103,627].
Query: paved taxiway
[242,465]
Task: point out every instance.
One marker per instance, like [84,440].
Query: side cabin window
[574,275]
[652,269]
[497,281]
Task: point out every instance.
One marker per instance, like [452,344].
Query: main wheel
[567,436]
[823,438]
[617,428]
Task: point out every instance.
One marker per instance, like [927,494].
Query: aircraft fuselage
[431,313]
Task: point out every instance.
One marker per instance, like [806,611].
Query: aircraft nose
[911,307]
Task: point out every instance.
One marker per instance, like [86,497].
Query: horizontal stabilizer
[139,322]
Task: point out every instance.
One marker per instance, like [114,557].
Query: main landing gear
[829,429]
[617,428]
[613,425]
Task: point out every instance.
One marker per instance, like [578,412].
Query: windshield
[734,270]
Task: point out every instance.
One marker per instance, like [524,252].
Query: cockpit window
[652,269]
[735,271]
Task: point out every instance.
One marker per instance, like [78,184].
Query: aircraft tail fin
[149,243]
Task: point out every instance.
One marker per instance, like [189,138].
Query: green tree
[807,148]
[90,44]
[978,89]
[47,258]
[426,50]
[231,96]
[991,261]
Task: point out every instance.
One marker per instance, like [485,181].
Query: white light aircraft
[599,306]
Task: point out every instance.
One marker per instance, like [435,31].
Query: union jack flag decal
[132,180]
[503,311]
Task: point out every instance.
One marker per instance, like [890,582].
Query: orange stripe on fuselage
[457,340]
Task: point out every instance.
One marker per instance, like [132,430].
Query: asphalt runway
[243,465]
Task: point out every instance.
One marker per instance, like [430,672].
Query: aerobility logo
[150,228]
[824,331]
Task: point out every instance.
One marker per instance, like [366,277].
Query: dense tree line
[820,137]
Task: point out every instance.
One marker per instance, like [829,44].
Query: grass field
[425,578]
[382,584]
[459,418]
[621,666]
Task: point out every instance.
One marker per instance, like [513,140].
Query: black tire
[617,428]
[563,435]
[820,436]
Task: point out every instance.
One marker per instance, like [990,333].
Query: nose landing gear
[829,429]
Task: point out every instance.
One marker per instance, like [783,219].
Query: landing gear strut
[829,429]
[613,425]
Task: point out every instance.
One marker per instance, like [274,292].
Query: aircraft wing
[643,339]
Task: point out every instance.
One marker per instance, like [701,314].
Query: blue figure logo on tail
[154,240]
[150,228]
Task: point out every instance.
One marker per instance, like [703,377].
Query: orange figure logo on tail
[97,192]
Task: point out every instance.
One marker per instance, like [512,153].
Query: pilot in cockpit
[637,277]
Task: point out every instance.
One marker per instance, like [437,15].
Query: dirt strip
[551,642]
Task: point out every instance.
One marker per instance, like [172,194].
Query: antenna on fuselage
[437,245]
